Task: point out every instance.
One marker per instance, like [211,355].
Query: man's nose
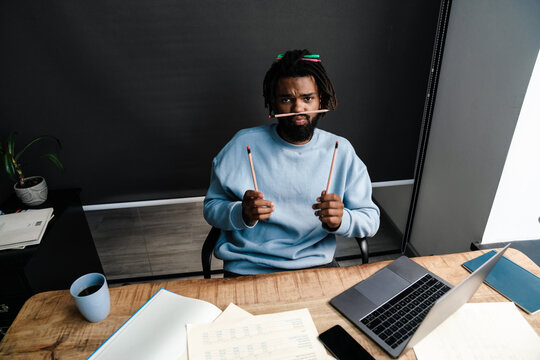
[297,106]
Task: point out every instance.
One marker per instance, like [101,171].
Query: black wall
[143,94]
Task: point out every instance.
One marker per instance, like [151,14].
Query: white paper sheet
[24,228]
[285,335]
[233,313]
[490,331]
[157,330]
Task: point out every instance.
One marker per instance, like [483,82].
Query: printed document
[231,313]
[286,335]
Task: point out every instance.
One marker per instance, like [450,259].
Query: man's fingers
[331,221]
[257,209]
[263,203]
[261,214]
[264,216]
[261,210]
[252,194]
[329,212]
[329,197]
[254,207]
[329,205]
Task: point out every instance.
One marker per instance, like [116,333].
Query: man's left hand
[329,210]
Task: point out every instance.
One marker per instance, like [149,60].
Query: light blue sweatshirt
[292,177]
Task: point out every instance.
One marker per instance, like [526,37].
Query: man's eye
[308,98]
[285,100]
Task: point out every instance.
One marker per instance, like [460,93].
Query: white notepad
[157,330]
[494,331]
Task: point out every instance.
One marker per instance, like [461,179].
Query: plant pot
[34,195]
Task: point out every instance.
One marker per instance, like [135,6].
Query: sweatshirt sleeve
[222,208]
[360,215]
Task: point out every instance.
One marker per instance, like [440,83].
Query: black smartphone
[342,345]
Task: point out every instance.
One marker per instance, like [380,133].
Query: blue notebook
[511,280]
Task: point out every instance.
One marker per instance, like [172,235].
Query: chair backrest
[212,238]
[208,251]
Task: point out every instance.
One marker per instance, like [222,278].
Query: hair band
[310,57]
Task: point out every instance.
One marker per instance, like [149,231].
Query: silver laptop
[403,302]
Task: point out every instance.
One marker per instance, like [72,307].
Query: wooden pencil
[332,167]
[252,169]
[299,113]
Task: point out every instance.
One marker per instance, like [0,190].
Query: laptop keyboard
[396,320]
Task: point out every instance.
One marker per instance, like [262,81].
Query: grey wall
[490,50]
[395,200]
[143,94]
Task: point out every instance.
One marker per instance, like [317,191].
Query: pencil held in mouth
[300,113]
[332,167]
[252,169]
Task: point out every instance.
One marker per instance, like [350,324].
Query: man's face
[293,95]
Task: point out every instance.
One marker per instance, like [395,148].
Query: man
[275,229]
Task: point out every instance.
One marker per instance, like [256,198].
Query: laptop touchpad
[382,286]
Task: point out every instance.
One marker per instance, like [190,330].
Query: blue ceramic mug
[91,295]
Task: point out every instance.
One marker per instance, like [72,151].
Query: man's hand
[329,210]
[255,208]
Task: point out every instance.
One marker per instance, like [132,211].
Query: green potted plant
[31,190]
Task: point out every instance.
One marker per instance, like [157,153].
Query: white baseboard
[133,204]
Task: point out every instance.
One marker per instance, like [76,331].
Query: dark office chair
[213,235]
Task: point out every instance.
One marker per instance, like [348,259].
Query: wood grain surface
[49,325]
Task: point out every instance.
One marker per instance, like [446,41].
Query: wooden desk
[50,327]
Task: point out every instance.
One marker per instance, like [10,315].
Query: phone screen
[342,345]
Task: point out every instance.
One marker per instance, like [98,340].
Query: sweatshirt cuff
[343,229]
[236,218]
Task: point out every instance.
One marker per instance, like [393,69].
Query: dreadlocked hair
[293,64]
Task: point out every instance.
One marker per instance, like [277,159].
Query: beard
[297,133]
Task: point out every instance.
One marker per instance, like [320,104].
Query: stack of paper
[158,331]
[23,228]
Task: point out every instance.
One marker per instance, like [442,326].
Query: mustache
[290,118]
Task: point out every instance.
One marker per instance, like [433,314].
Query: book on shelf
[23,228]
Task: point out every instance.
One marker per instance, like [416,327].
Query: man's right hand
[255,208]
